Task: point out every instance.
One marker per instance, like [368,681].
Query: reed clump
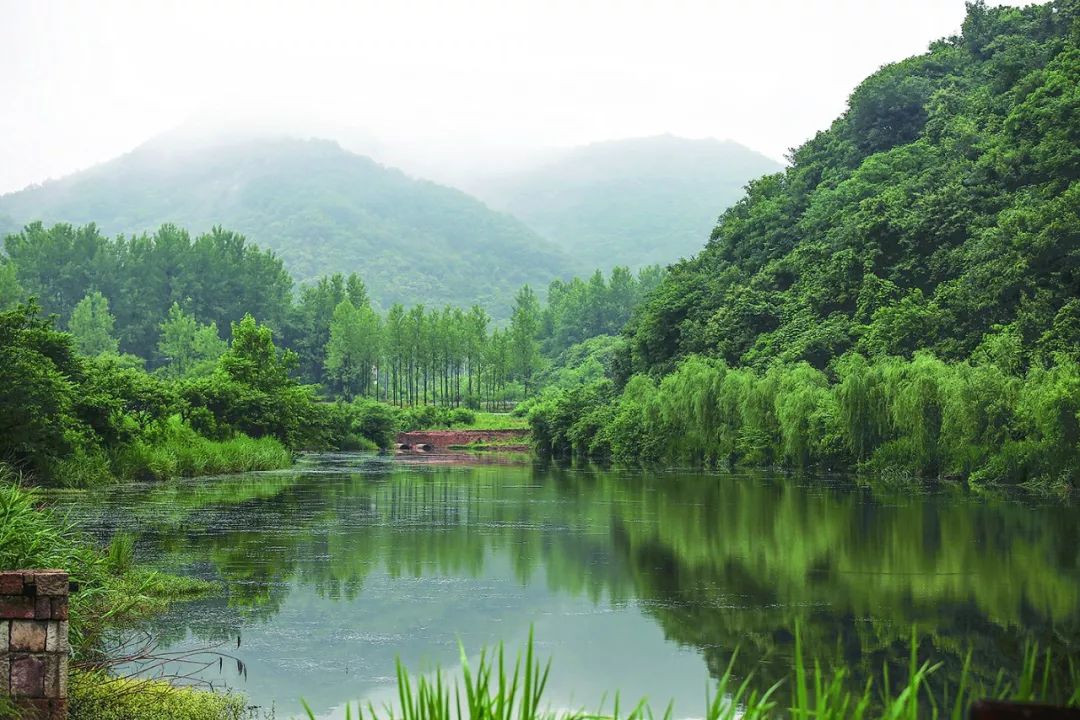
[498,689]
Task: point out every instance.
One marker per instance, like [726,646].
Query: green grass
[495,421]
[430,417]
[179,451]
[498,690]
[98,696]
[112,591]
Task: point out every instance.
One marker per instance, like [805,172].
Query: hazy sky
[81,82]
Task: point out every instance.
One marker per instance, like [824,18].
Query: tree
[524,326]
[252,359]
[11,292]
[39,371]
[91,325]
[345,353]
[188,347]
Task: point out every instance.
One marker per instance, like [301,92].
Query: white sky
[81,82]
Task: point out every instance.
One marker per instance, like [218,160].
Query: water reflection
[632,579]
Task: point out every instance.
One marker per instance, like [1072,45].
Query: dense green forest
[630,202]
[80,420]
[165,371]
[169,300]
[320,208]
[903,296]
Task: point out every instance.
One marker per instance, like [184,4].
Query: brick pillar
[34,641]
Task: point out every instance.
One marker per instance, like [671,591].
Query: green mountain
[320,208]
[630,202]
[941,211]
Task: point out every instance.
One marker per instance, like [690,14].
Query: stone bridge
[442,439]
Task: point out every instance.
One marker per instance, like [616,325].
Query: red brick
[17,607]
[11,583]
[43,608]
[51,582]
[27,677]
[59,608]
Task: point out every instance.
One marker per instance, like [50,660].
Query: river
[642,583]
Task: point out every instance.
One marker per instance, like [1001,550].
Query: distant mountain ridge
[630,202]
[320,208]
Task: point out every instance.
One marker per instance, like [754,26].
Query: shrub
[97,696]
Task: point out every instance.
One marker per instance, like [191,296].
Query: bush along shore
[72,419]
[112,594]
[917,418]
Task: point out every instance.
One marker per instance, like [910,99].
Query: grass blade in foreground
[495,691]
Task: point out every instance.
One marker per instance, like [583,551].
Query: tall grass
[497,690]
[111,590]
[179,451]
[34,537]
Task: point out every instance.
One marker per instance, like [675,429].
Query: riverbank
[111,593]
[906,419]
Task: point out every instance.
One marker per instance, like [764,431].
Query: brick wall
[34,641]
[446,438]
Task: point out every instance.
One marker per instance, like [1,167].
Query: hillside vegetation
[905,297]
[319,208]
[630,202]
[940,208]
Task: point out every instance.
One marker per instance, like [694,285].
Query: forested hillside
[169,301]
[905,297]
[319,208]
[940,208]
[630,202]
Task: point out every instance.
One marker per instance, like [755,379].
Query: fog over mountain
[549,212]
[629,202]
[320,207]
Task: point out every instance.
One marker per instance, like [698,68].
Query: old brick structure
[34,641]
[440,439]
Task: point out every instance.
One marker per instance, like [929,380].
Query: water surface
[637,582]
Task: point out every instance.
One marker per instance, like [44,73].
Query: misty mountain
[320,208]
[630,202]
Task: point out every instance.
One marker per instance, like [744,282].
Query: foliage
[39,378]
[524,329]
[189,348]
[11,292]
[578,310]
[940,208]
[217,277]
[352,352]
[81,420]
[91,326]
[496,690]
[316,206]
[176,450]
[98,696]
[251,392]
[923,417]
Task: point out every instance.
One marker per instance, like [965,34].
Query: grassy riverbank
[178,451]
[113,593]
